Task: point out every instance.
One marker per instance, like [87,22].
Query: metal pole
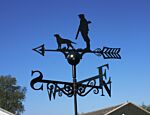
[75,87]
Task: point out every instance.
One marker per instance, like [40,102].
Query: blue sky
[26,24]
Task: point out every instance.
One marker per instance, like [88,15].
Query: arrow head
[40,49]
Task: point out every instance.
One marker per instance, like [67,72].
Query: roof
[108,110]
[102,111]
[5,112]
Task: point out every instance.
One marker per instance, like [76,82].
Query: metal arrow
[106,52]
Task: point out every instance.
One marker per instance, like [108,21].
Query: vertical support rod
[75,88]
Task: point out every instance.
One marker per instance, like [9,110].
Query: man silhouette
[83,28]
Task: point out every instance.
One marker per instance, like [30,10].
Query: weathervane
[96,83]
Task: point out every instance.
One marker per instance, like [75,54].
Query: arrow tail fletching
[111,53]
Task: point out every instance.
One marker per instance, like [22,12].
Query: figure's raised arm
[77,33]
[89,22]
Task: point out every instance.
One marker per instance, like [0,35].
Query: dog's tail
[73,42]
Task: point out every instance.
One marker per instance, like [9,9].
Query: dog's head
[56,35]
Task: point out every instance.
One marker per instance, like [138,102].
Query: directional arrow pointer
[40,49]
[106,52]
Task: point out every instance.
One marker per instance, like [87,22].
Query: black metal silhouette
[82,88]
[83,28]
[106,52]
[61,41]
[73,56]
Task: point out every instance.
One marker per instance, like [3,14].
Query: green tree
[146,107]
[11,95]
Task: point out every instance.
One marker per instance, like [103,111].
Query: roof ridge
[108,109]
[3,110]
[127,104]
[118,107]
[141,108]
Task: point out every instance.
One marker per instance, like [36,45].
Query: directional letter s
[37,79]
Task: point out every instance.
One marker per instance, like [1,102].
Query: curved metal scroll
[82,88]
[53,89]
[96,84]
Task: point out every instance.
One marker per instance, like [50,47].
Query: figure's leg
[68,46]
[59,46]
[86,39]
[88,44]
[71,46]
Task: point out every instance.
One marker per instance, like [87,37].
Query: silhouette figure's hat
[81,15]
[56,35]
